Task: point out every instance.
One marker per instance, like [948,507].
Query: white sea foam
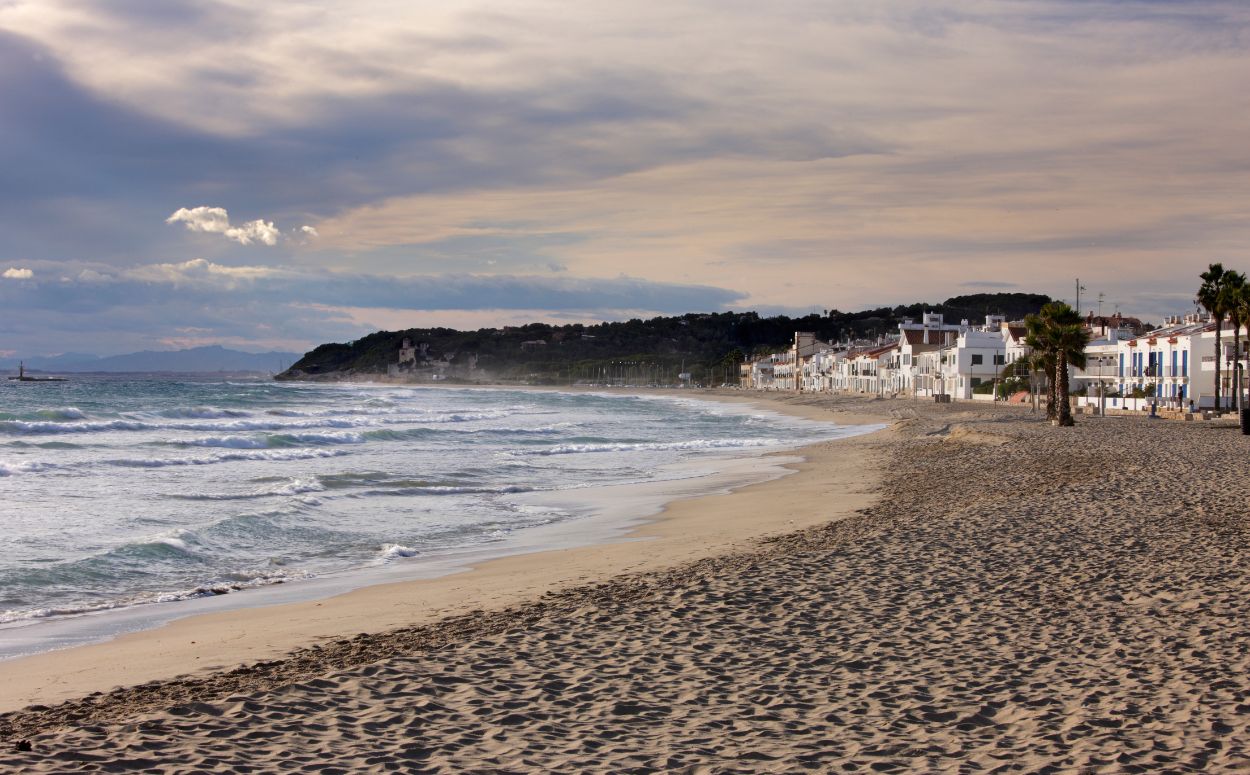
[357,410]
[298,486]
[278,454]
[27,467]
[228,457]
[203,413]
[321,438]
[266,425]
[23,426]
[99,426]
[396,551]
[281,440]
[576,449]
[439,489]
[233,442]
[448,417]
[238,583]
[176,542]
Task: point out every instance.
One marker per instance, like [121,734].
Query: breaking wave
[9,469]
[202,413]
[227,457]
[577,449]
[396,551]
[280,440]
[235,582]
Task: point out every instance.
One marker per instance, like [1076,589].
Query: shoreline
[681,528]
[1011,595]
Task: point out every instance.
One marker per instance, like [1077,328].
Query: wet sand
[992,594]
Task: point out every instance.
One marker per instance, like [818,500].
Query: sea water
[120,493]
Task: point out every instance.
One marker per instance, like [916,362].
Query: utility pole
[1079,288]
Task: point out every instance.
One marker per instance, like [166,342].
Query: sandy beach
[968,590]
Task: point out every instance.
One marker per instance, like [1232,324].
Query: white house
[761,372]
[976,359]
[1168,367]
[931,335]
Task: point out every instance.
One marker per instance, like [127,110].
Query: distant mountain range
[196,359]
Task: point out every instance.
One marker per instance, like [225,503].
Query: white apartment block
[940,359]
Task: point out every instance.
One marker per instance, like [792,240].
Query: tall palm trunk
[1219,324]
[1061,390]
[1052,384]
[1236,375]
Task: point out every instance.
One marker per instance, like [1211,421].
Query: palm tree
[1057,334]
[1071,339]
[1209,297]
[1040,359]
[1236,298]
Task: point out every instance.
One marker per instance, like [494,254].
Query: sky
[281,174]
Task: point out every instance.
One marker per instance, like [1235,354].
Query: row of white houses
[1172,366]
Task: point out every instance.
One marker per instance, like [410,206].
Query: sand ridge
[1063,600]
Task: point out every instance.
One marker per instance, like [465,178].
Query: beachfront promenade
[1001,595]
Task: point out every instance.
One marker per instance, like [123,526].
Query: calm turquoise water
[119,492]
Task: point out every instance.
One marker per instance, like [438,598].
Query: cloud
[14,273]
[309,231]
[198,270]
[200,281]
[300,307]
[215,220]
[823,154]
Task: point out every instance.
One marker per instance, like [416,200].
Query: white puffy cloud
[309,231]
[216,220]
[259,231]
[14,273]
[211,219]
[199,270]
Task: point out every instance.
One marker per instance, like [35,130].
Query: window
[1000,360]
[976,381]
[977,359]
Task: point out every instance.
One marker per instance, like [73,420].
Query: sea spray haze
[118,492]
